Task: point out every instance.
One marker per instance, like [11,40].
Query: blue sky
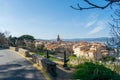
[45,19]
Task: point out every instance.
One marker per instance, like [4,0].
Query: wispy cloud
[90,23]
[100,26]
[92,19]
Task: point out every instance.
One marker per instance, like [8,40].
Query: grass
[71,57]
[53,59]
[71,65]
[41,54]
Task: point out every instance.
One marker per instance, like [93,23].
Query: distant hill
[101,39]
[42,40]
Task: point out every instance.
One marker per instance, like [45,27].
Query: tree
[115,28]
[40,48]
[26,37]
[3,40]
[12,40]
[26,41]
[93,6]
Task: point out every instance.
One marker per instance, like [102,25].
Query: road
[15,67]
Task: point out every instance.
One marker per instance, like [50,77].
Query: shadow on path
[19,70]
[63,74]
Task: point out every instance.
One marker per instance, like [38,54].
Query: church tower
[58,39]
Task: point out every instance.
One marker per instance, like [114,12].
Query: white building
[90,50]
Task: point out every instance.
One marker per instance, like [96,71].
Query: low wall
[12,48]
[46,64]
[24,52]
[49,66]
[37,59]
[21,51]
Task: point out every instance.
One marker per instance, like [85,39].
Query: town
[91,50]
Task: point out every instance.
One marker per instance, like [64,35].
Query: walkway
[14,67]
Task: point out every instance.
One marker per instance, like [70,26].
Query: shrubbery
[109,58]
[72,57]
[94,71]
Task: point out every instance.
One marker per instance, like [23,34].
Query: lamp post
[65,61]
[47,54]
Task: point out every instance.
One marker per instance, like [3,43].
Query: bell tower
[58,38]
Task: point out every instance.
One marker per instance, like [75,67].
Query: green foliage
[71,65]
[26,37]
[113,67]
[94,71]
[53,59]
[31,47]
[71,57]
[12,41]
[3,40]
[24,41]
[109,58]
[40,48]
[41,53]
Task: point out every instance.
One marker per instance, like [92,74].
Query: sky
[45,19]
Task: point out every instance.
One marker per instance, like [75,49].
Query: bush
[71,57]
[53,59]
[109,58]
[94,71]
[41,53]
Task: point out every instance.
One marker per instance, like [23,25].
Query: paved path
[14,67]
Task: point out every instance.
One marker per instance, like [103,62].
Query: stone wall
[12,48]
[49,66]
[46,64]
[37,59]
[21,51]
[24,52]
